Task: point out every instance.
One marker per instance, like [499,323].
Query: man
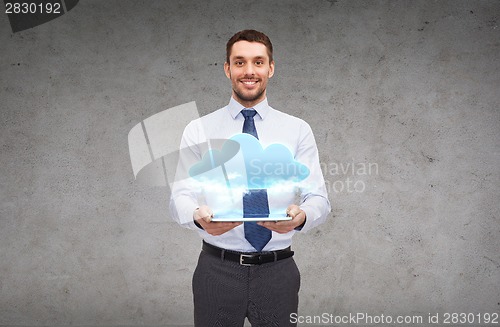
[247,269]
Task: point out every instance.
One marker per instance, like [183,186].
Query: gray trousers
[225,292]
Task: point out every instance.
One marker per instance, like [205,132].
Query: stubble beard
[249,98]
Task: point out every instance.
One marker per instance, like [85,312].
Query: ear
[227,70]
[271,69]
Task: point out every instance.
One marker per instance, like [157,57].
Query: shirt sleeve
[184,190]
[313,194]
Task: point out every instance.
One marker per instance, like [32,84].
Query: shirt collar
[235,108]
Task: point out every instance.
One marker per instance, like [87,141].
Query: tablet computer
[270,217]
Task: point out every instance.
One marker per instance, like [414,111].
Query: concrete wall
[410,87]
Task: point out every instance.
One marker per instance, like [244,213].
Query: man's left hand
[298,218]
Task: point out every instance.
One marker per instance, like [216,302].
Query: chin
[249,97]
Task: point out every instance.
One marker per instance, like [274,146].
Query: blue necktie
[255,202]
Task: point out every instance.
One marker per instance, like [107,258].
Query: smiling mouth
[249,82]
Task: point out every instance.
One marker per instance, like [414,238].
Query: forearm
[181,210]
[314,197]
[317,208]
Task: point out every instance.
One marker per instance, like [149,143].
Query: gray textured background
[411,86]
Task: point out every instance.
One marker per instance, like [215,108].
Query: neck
[249,103]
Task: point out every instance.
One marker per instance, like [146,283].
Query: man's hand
[298,218]
[203,215]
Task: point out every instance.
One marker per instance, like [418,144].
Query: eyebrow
[241,57]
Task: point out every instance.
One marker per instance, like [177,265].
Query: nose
[249,70]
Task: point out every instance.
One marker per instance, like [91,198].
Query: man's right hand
[203,215]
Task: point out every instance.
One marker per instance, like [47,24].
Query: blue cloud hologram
[263,168]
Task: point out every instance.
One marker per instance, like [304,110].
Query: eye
[238,63]
[259,63]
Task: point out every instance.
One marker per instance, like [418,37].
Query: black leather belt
[246,258]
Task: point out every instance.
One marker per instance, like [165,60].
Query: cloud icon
[214,158]
[249,165]
[270,166]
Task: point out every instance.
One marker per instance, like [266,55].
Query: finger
[218,228]
[280,229]
[229,225]
[274,226]
[267,223]
[280,226]
[202,214]
[214,225]
[291,212]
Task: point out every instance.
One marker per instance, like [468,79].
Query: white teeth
[249,83]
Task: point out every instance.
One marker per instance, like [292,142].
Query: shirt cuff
[197,224]
[299,228]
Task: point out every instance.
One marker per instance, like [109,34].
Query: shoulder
[214,116]
[289,120]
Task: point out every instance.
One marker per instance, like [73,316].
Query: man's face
[249,69]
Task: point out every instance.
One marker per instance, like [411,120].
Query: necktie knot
[248,113]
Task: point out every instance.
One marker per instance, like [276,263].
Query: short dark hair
[250,36]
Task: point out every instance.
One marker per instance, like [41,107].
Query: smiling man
[247,269]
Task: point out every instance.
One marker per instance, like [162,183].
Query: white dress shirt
[272,126]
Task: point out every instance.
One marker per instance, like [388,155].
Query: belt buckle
[242,256]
